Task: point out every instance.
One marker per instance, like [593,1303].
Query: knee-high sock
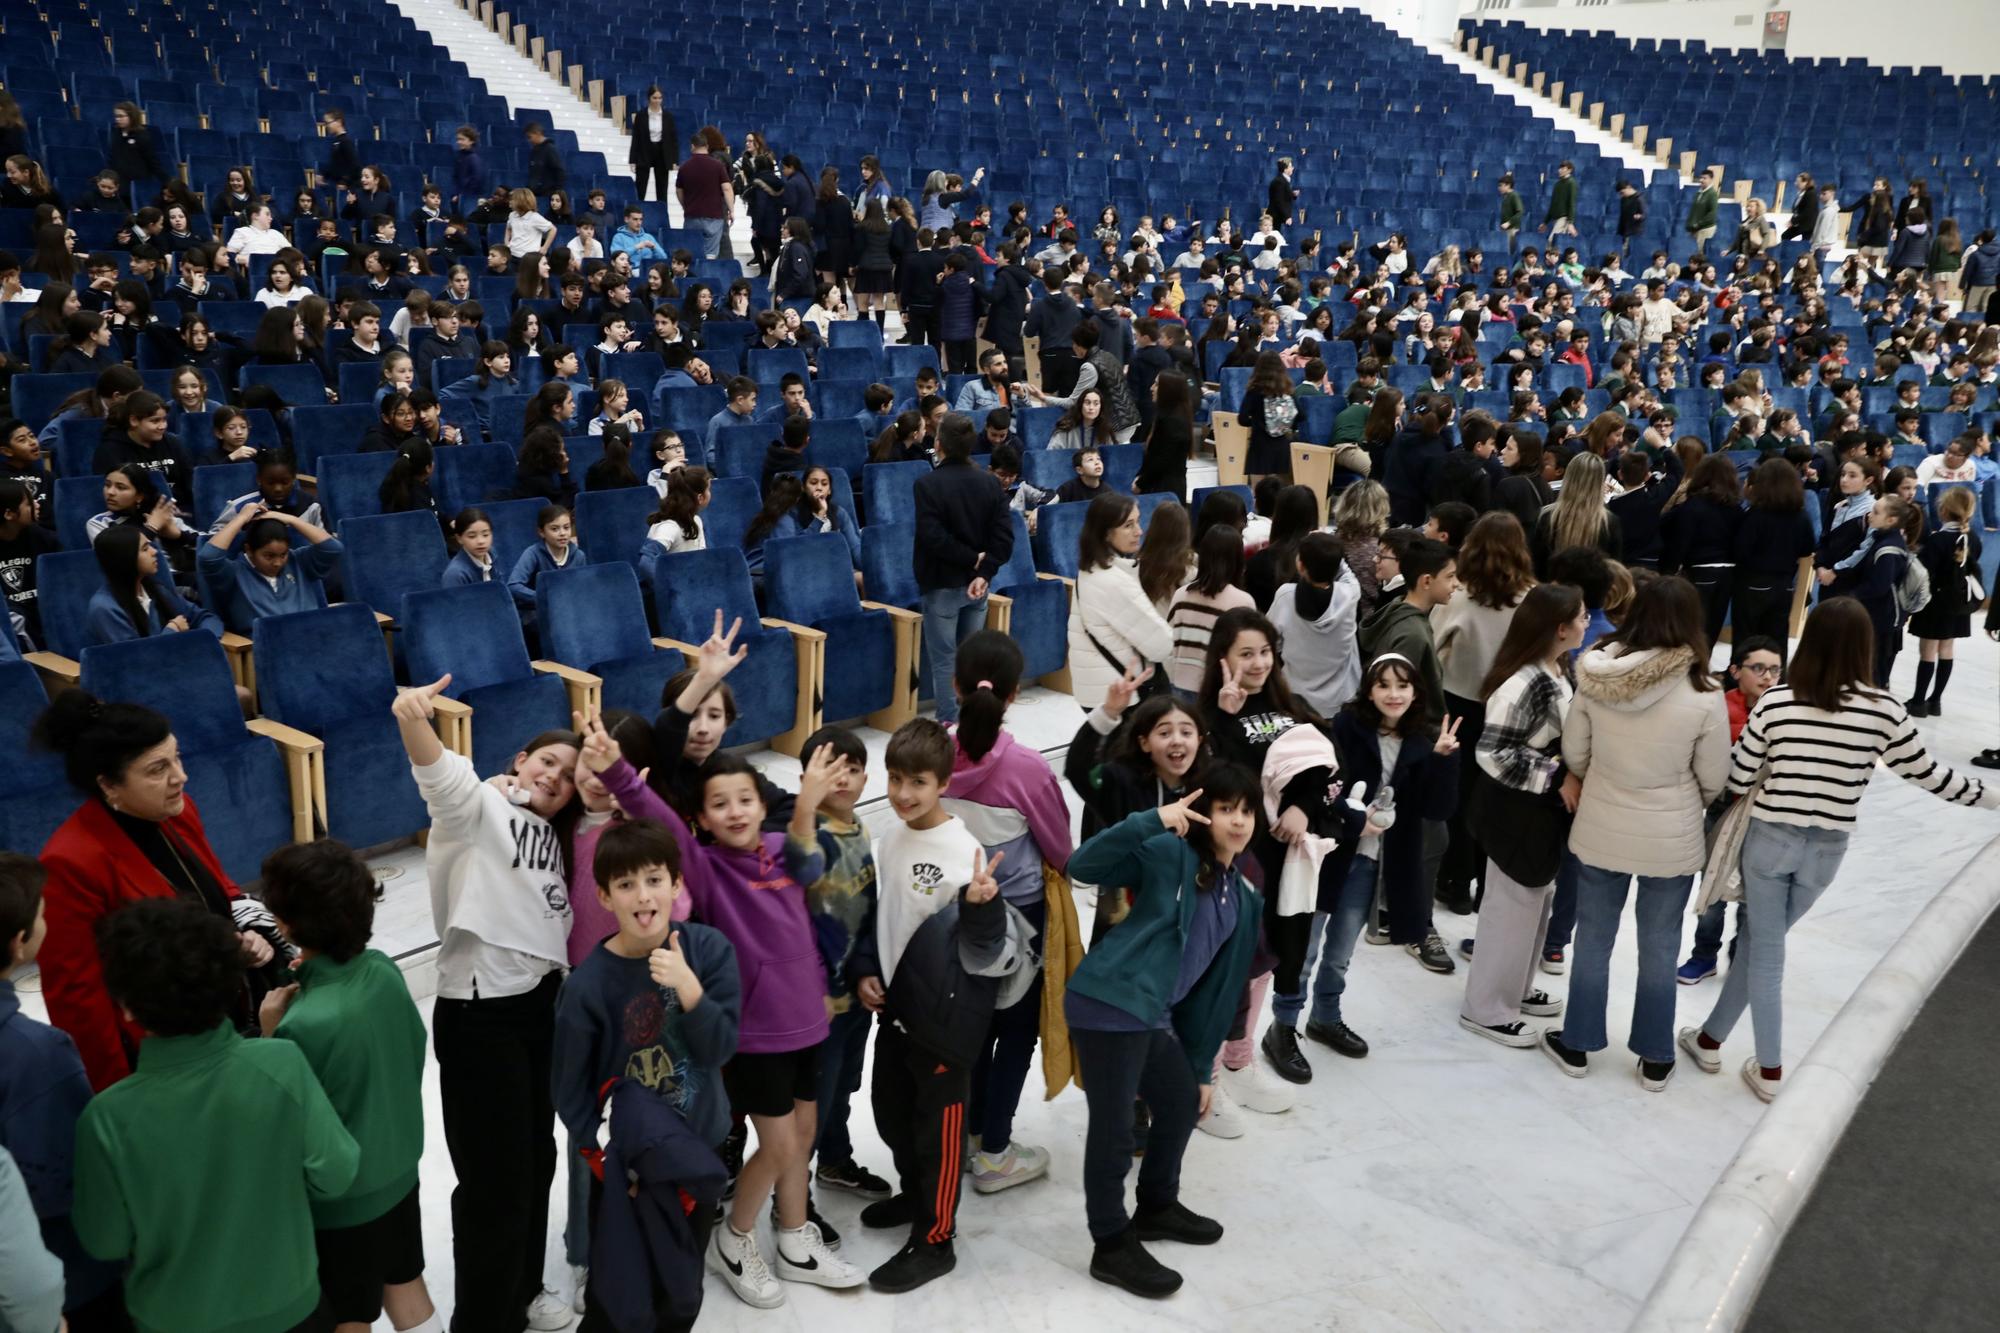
[1924,670]
[1943,678]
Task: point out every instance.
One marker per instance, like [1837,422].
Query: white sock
[435,1324]
[793,1245]
[737,1241]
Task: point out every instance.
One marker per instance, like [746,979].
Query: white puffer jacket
[1652,751]
[1111,607]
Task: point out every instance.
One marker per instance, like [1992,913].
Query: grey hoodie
[1321,659]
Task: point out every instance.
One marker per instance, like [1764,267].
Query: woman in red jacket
[136,835]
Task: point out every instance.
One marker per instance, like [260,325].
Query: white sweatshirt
[499,891]
[917,873]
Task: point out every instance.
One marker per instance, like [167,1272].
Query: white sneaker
[1707,1061]
[1249,1089]
[549,1311]
[1223,1120]
[580,1275]
[1017,1166]
[1753,1074]
[742,1266]
[818,1265]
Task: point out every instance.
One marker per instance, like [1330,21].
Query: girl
[190,390]
[1360,517]
[398,425]
[676,524]
[1856,489]
[554,404]
[1217,588]
[407,486]
[614,408]
[528,232]
[1873,579]
[1951,558]
[1295,514]
[1648,733]
[1385,742]
[399,374]
[1120,764]
[132,497]
[1825,722]
[1772,536]
[614,470]
[472,532]
[1270,410]
[782,496]
[1149,1009]
[1165,562]
[282,287]
[1578,517]
[1010,800]
[277,491]
[526,338]
[902,442]
[1083,424]
[1698,537]
[497,859]
[1114,625]
[542,472]
[135,602]
[557,549]
[1521,801]
[816,512]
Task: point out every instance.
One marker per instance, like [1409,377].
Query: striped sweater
[1821,762]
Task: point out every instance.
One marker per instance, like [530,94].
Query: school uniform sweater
[1820,761]
[614,1021]
[463,570]
[226,1143]
[362,1035]
[244,596]
[535,562]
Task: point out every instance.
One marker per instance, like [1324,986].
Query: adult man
[707,198]
[1701,213]
[965,535]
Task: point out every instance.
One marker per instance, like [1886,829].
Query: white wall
[1959,36]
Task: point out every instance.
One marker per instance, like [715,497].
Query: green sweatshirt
[1511,209]
[362,1035]
[1398,627]
[200,1168]
[1701,213]
[1349,422]
[1562,201]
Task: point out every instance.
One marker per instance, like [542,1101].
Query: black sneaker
[1653,1074]
[1123,1262]
[853,1178]
[1344,1039]
[1431,955]
[1987,758]
[731,1153]
[1177,1222]
[1574,1063]
[885,1213]
[1281,1048]
[1540,1004]
[826,1231]
[1456,899]
[913,1266]
[1142,1125]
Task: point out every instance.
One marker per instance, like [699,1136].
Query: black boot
[912,1266]
[1123,1262]
[1176,1221]
[1281,1048]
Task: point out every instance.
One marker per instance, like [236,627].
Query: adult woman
[1649,735]
[1270,410]
[1495,572]
[1360,517]
[874,262]
[1171,439]
[655,142]
[1084,425]
[1521,800]
[1825,723]
[137,835]
[1698,537]
[1578,517]
[1113,626]
[1772,536]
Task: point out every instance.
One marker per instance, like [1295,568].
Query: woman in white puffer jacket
[1648,733]
[1113,625]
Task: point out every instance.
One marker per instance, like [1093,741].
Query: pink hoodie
[1007,798]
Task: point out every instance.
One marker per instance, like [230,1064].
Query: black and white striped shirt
[1821,761]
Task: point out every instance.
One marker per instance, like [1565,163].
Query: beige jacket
[1652,752]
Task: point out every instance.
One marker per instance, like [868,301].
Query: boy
[1448,522]
[633,239]
[657,1003]
[1089,478]
[351,1014]
[43,1090]
[365,318]
[1755,665]
[878,409]
[1430,577]
[740,410]
[202,1165]
[931,969]
[23,541]
[831,850]
[1315,614]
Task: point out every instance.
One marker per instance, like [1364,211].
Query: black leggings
[1763,605]
[1712,584]
[1118,1067]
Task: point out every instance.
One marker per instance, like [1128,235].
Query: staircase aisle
[1543,107]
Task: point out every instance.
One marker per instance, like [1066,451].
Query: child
[830,848]
[1089,478]
[277,491]
[614,408]
[472,531]
[1755,665]
[1951,557]
[1010,800]
[43,1090]
[658,1002]
[500,903]
[212,1136]
[557,549]
[930,966]
[1876,577]
[399,373]
[351,1014]
[669,457]
[1403,626]
[1149,1007]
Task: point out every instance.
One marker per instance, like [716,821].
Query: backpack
[1913,586]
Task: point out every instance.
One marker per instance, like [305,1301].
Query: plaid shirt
[1521,746]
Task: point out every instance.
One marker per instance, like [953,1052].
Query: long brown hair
[1270,377]
[1381,423]
[1666,613]
[1107,511]
[1163,556]
[1228,626]
[1775,486]
[1494,564]
[1835,657]
[1531,634]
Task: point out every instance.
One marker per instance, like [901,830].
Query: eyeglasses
[1758,670]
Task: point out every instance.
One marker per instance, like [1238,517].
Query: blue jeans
[1600,901]
[950,617]
[1708,928]
[1329,949]
[576,1228]
[1007,1055]
[1785,869]
[839,1079]
[711,235]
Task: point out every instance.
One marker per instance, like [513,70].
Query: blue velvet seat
[688,589]
[738,451]
[888,491]
[1037,614]
[324,673]
[471,475]
[474,634]
[1058,527]
[612,524]
[65,581]
[332,429]
[838,443]
[77,501]
[216,485]
[732,503]
[388,555]
[810,581]
[297,385]
[350,485]
[35,797]
[593,618]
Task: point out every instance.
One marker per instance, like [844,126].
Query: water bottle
[1385,808]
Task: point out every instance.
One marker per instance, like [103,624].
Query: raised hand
[1124,690]
[669,967]
[1180,816]
[418,703]
[1232,696]
[1447,741]
[821,772]
[984,886]
[718,654]
[600,752]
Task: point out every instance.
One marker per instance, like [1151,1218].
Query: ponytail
[987,675]
[413,460]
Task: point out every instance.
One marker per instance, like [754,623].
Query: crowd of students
[1486,685]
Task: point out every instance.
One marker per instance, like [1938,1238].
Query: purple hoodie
[752,898]
[1024,813]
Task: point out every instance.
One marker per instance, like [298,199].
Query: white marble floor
[1440,1184]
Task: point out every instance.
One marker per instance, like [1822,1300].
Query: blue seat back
[350,485]
[810,579]
[388,555]
[693,585]
[65,581]
[317,669]
[471,632]
[1046,469]
[297,385]
[592,614]
[77,501]
[732,503]
[888,491]
[472,474]
[325,429]
[1058,528]
[887,550]
[35,798]
[514,530]
[739,450]
[1020,566]
[216,485]
[612,524]
[838,443]
[768,365]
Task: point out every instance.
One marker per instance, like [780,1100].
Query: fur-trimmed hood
[1631,679]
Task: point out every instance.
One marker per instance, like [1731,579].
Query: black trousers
[1464,859]
[656,160]
[919,1101]
[1763,605]
[920,324]
[1713,584]
[1117,1067]
[594,1318]
[959,355]
[494,1058]
[1059,371]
